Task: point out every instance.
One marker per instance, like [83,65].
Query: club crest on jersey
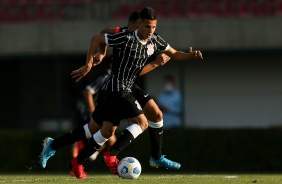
[150,49]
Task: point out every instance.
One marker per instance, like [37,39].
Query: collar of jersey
[142,42]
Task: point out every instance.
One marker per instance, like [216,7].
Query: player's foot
[47,151]
[76,169]
[111,162]
[164,162]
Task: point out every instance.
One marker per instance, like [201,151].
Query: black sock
[75,135]
[156,138]
[90,148]
[124,140]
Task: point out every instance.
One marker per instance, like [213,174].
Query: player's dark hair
[148,13]
[134,16]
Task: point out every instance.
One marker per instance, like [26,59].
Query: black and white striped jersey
[121,29]
[130,54]
[94,86]
[125,29]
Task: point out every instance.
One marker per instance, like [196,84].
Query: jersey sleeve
[161,44]
[121,29]
[115,40]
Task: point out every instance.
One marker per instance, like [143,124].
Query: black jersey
[95,86]
[122,29]
[130,54]
[125,29]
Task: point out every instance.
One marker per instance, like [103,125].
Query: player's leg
[155,117]
[94,143]
[155,121]
[96,140]
[128,135]
[97,115]
[106,146]
[123,106]
[50,145]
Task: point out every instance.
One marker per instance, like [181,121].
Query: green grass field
[145,179]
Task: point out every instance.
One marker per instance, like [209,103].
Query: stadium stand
[23,11]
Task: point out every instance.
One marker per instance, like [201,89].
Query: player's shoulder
[158,38]
[156,34]
[123,28]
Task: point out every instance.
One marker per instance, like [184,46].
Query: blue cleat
[164,162]
[47,151]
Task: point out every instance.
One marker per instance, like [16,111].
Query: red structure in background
[23,11]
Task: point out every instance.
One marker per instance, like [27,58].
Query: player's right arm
[110,30]
[96,42]
[100,56]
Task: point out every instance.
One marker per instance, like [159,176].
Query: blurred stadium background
[233,98]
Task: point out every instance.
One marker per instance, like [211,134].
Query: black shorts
[140,95]
[115,106]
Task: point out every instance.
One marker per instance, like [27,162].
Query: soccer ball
[129,168]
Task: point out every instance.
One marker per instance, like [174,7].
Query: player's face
[146,28]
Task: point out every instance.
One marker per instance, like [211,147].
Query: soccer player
[149,106]
[115,100]
[131,52]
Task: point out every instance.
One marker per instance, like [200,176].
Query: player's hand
[162,59]
[81,72]
[195,53]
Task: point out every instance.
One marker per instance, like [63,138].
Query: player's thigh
[141,96]
[152,111]
[121,106]
[93,126]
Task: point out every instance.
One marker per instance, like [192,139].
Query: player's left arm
[180,56]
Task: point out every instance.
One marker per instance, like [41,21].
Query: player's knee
[107,133]
[144,126]
[158,116]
